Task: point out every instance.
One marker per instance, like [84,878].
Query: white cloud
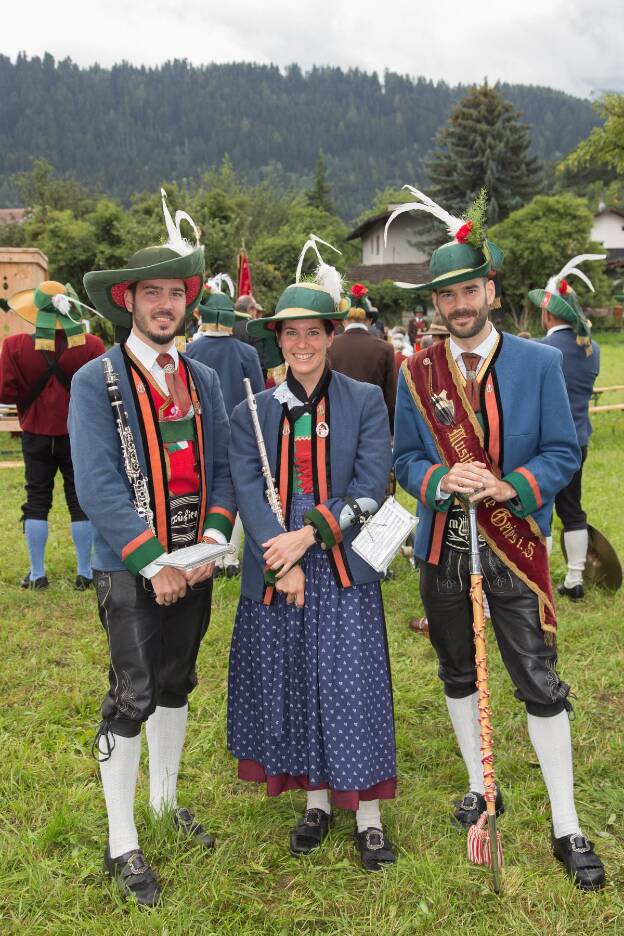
[574,45]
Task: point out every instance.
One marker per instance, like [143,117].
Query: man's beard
[480,318]
[141,321]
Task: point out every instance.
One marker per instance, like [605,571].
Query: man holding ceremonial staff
[485,415]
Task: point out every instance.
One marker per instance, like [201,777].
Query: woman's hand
[284,550]
[292,584]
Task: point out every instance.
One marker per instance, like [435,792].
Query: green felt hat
[318,299]
[51,306]
[177,259]
[469,255]
[216,307]
[561,301]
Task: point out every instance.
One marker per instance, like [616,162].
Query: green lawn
[52,822]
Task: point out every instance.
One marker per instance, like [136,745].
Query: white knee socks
[119,777]
[319,799]
[576,549]
[165,731]
[553,745]
[368,815]
[465,718]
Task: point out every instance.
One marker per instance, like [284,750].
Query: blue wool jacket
[538,435]
[579,372]
[233,361]
[358,465]
[102,487]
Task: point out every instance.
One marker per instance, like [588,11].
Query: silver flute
[134,473]
[271,490]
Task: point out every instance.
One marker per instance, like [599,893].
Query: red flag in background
[244,287]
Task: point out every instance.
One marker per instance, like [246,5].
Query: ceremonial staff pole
[484,845]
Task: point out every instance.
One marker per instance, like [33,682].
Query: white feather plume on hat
[552,286]
[215,283]
[176,241]
[427,204]
[326,275]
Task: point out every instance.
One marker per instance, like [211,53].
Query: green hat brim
[264,327]
[455,276]
[106,288]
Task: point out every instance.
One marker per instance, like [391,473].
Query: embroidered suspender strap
[458,437]
[321,472]
[154,452]
[199,452]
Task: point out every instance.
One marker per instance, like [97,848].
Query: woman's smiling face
[304,344]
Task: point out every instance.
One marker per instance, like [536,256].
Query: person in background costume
[361,355]
[35,374]
[155,617]
[568,329]
[460,432]
[310,697]
[233,360]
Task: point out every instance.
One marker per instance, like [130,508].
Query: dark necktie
[175,385]
[472,387]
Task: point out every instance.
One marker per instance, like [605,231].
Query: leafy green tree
[484,144]
[319,196]
[605,144]
[538,239]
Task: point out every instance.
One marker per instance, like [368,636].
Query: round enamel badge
[322,430]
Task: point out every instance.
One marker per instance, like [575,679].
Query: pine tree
[319,196]
[483,145]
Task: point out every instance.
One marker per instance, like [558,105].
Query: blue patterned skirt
[310,694]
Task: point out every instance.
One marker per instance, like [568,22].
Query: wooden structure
[20,268]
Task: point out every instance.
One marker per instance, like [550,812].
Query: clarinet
[271,491]
[138,481]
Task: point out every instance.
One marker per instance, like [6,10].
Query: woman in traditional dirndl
[310,694]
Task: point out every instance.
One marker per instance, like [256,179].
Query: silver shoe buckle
[374,839]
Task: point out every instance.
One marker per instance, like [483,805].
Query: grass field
[52,821]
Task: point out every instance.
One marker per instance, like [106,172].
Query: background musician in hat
[35,374]
[215,346]
[360,354]
[569,330]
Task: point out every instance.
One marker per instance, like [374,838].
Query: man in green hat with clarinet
[151,483]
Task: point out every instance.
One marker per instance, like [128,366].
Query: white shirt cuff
[217,536]
[150,570]
[440,494]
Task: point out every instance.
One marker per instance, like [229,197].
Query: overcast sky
[573,45]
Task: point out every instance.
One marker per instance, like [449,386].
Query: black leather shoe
[376,849]
[576,593]
[580,860]
[134,876]
[218,572]
[186,822]
[468,810]
[37,584]
[232,570]
[82,583]
[309,831]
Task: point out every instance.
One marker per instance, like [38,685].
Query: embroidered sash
[437,389]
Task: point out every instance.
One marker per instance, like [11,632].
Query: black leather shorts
[515,618]
[153,648]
